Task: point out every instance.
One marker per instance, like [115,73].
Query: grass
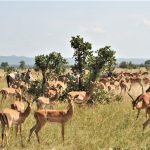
[91,128]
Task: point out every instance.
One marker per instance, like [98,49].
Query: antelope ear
[76,96]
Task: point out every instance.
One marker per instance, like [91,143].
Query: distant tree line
[9,68]
[131,65]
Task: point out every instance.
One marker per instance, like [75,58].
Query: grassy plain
[91,128]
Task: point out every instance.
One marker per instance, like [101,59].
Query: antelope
[123,86]
[18,104]
[42,101]
[82,93]
[8,91]
[55,116]
[83,98]
[141,102]
[9,116]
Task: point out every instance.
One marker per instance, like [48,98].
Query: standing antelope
[9,91]
[8,117]
[56,116]
[123,86]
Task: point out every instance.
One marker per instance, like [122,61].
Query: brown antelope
[9,91]
[18,105]
[123,86]
[8,117]
[41,102]
[55,116]
[83,96]
[141,102]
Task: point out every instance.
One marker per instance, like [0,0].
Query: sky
[30,28]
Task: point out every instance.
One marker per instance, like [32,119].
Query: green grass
[91,128]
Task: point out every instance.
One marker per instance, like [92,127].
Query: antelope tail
[3,118]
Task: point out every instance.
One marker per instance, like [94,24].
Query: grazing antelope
[8,117]
[55,116]
[141,102]
[83,96]
[41,102]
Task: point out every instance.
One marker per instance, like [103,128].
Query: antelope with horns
[55,116]
[141,102]
[8,117]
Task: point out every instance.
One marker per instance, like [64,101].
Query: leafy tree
[9,69]
[22,64]
[4,65]
[48,64]
[123,64]
[147,62]
[104,60]
[82,50]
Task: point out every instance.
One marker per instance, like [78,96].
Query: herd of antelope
[17,113]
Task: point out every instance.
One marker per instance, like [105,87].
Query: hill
[14,60]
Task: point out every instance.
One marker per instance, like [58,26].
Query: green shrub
[104,97]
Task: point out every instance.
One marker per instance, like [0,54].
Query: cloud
[92,29]
[146,21]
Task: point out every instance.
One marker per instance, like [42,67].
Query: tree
[147,63]
[22,64]
[123,64]
[82,50]
[53,62]
[104,60]
[4,65]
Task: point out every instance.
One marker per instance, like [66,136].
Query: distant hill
[133,60]
[14,60]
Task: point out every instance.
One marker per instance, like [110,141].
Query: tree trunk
[44,81]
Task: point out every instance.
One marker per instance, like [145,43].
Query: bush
[104,97]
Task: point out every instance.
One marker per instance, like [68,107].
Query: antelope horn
[130,96]
[142,88]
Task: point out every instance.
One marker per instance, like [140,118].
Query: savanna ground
[91,128]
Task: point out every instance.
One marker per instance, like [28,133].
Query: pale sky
[33,28]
